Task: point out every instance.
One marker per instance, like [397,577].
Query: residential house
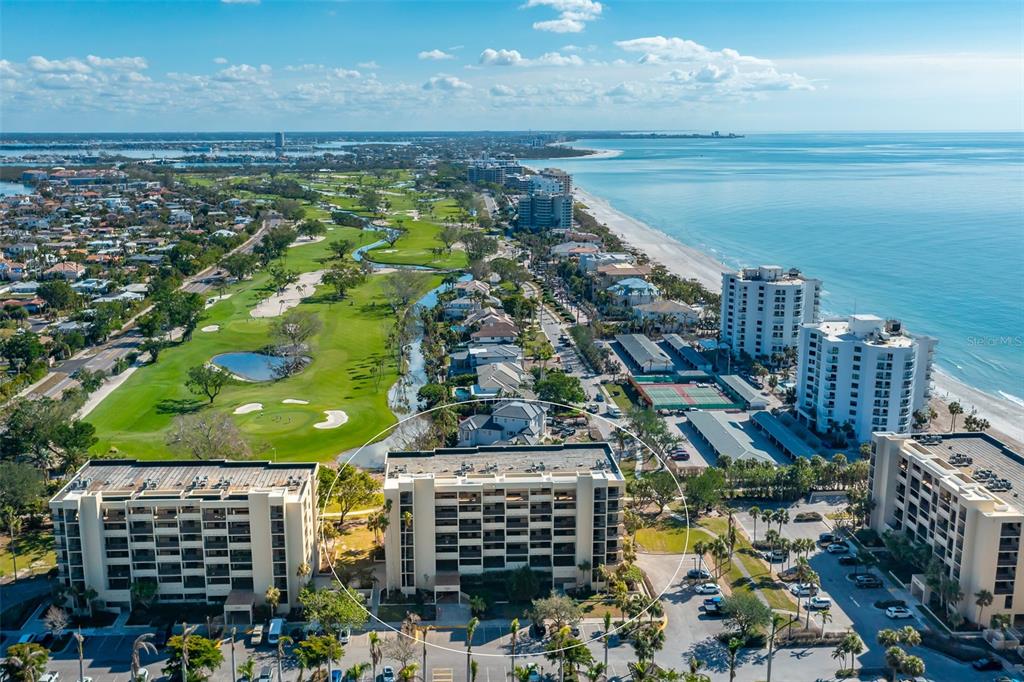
[513,422]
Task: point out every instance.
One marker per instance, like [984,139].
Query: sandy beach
[680,259]
[1005,416]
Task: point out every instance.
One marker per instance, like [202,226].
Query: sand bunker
[211,328]
[211,301]
[295,401]
[302,241]
[335,418]
[290,297]
[248,407]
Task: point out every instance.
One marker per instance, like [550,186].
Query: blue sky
[541,64]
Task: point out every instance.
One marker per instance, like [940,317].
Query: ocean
[924,227]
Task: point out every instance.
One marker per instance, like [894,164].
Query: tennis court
[684,396]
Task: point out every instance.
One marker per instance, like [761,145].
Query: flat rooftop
[161,479]
[986,453]
[497,461]
[866,329]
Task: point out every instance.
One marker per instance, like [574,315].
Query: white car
[898,612]
[803,590]
[50,677]
[345,636]
[707,588]
[819,603]
[837,548]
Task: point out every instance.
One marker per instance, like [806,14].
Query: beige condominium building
[958,494]
[211,531]
[463,511]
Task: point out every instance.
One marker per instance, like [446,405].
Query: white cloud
[117,63]
[243,72]
[573,15]
[368,65]
[346,73]
[240,2]
[446,83]
[220,60]
[435,55]
[7,69]
[492,57]
[502,91]
[44,65]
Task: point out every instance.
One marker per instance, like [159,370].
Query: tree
[896,659]
[143,592]
[663,487]
[203,657]
[273,598]
[247,670]
[376,652]
[746,613]
[704,490]
[296,327]
[513,631]
[983,599]
[89,380]
[240,265]
[58,295]
[56,620]
[356,672]
[402,648]
[22,349]
[477,605]
[402,287]
[207,435]
[449,236]
[342,277]
[974,423]
[335,608]
[13,523]
[21,486]
[339,249]
[561,610]
[318,651]
[311,228]
[955,408]
[559,387]
[25,662]
[349,487]
[470,631]
[140,646]
[733,648]
[207,380]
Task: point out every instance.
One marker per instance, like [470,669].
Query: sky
[223,65]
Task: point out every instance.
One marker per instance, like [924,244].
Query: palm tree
[755,514]
[699,548]
[771,537]
[955,408]
[584,567]
[248,670]
[80,641]
[826,618]
[408,673]
[983,598]
[607,635]
[282,642]
[470,631]
[303,571]
[273,598]
[186,632]
[13,521]
[376,653]
[142,645]
[513,630]
[32,660]
[595,671]
[355,673]
[734,646]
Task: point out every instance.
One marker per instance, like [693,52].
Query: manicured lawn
[354,545]
[415,247]
[351,371]
[669,536]
[759,570]
[35,551]
[618,394]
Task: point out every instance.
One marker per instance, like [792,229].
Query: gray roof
[687,352]
[642,349]
[743,389]
[502,459]
[726,437]
[790,443]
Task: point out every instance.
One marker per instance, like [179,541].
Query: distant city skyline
[517,65]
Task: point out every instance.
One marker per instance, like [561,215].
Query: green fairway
[346,353]
[416,247]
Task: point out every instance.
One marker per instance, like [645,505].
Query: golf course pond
[251,366]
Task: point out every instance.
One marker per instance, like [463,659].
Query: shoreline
[1004,415]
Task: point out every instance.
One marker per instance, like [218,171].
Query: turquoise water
[251,366]
[926,227]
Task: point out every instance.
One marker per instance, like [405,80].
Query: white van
[274,631]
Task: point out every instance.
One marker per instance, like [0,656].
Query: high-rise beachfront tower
[862,374]
[763,308]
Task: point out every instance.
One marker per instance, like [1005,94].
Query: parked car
[698,574]
[713,605]
[534,676]
[803,590]
[776,556]
[826,538]
[345,636]
[336,676]
[987,664]
[819,603]
[898,612]
[50,677]
[707,588]
[837,548]
[848,560]
[388,674]
[265,674]
[256,636]
[867,580]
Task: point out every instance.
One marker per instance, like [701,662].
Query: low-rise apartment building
[954,493]
[463,511]
[201,530]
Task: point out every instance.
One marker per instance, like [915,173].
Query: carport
[238,607]
[445,586]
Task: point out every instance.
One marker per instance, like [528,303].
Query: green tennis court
[662,396]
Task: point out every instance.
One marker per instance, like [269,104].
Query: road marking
[442,675]
[855,602]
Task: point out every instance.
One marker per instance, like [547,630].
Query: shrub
[807,516]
